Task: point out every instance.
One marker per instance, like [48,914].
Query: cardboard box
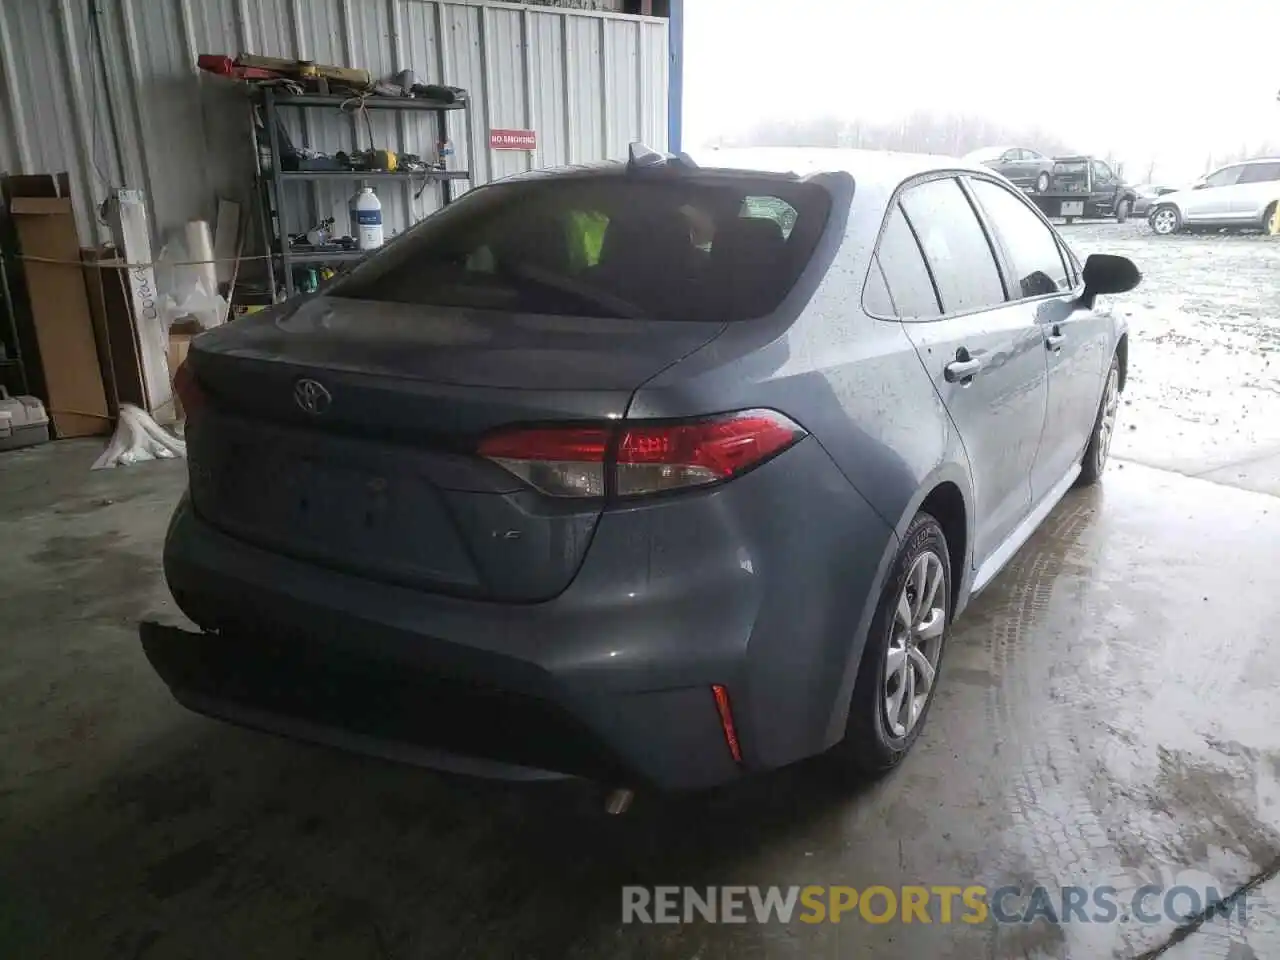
[178,345]
[113,327]
[77,398]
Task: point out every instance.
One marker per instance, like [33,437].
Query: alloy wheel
[915,644]
[1107,423]
[1164,221]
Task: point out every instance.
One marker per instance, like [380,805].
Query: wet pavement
[1256,938]
[1106,716]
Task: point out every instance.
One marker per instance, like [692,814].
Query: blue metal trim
[675,76]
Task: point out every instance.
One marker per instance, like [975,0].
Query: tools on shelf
[276,83]
[297,85]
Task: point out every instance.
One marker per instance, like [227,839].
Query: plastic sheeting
[139,438]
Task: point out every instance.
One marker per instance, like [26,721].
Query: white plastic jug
[366,219]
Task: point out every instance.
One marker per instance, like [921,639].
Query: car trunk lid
[343,433]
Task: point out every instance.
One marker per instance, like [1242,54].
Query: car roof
[878,165]
[866,166]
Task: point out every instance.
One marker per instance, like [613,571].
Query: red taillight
[578,462]
[721,695]
[561,461]
[585,444]
[188,389]
[667,457]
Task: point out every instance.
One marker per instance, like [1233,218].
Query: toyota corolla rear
[421,523]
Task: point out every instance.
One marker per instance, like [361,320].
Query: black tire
[1123,206]
[870,747]
[1099,447]
[1165,220]
[1266,218]
[1042,182]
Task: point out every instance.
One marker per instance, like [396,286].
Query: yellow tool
[352,77]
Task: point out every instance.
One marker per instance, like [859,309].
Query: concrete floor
[1106,716]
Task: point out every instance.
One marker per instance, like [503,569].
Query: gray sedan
[554,483]
[1146,194]
[1028,169]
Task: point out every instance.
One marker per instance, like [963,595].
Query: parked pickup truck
[1084,187]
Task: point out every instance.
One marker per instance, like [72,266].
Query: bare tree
[1265,149]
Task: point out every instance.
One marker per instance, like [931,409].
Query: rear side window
[908,287]
[955,246]
[876,299]
[1029,245]
[1260,173]
[710,248]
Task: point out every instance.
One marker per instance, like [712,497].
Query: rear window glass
[1071,167]
[710,248]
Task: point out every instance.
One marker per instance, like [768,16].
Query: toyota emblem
[312,396]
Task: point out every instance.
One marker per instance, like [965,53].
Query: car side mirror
[1105,273]
[1199,186]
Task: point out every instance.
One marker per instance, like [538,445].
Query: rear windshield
[1071,166]
[699,247]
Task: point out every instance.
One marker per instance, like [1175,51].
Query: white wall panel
[621,84]
[584,89]
[588,82]
[653,80]
[47,128]
[546,87]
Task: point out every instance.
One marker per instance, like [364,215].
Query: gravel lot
[1203,395]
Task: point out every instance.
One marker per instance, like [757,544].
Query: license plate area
[315,500]
[1072,208]
[356,506]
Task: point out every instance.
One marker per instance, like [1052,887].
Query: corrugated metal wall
[588,82]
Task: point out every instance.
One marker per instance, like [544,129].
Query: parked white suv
[1241,195]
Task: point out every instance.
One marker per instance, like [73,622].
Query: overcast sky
[1175,80]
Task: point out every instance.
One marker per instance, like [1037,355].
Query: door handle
[963,368]
[1053,341]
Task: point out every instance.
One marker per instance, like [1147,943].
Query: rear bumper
[610,680]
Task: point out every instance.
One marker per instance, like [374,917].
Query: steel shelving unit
[271,182]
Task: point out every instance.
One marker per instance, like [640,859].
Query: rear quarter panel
[857,386]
